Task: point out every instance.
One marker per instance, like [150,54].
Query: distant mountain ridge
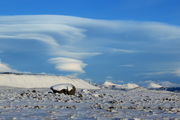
[172,89]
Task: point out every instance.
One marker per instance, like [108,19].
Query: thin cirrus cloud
[116,50]
[175,72]
[70,40]
[164,68]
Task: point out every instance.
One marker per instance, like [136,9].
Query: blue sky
[98,40]
[141,10]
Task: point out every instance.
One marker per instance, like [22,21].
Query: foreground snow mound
[41,81]
[67,89]
[124,86]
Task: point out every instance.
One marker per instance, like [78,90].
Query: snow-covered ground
[29,97]
[40,81]
[117,86]
[99,104]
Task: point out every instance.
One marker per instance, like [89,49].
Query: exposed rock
[67,89]
[38,107]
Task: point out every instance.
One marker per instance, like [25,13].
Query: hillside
[40,81]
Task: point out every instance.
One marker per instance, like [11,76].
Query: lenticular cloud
[58,33]
[70,40]
[68,64]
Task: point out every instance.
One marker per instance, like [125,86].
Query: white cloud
[68,64]
[170,71]
[177,72]
[115,50]
[58,35]
[76,38]
[155,73]
[5,68]
[77,55]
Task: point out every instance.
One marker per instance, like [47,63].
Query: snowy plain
[88,104]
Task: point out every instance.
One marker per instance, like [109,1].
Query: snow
[154,85]
[130,86]
[60,87]
[89,104]
[123,86]
[41,81]
[30,97]
[108,84]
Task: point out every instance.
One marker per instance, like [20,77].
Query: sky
[122,41]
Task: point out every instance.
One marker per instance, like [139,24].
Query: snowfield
[40,81]
[99,104]
[126,102]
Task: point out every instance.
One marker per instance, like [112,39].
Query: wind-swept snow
[40,81]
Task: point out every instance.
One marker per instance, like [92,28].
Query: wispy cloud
[115,50]
[71,39]
[176,72]
[127,65]
[156,73]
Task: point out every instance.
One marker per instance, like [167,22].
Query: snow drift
[41,81]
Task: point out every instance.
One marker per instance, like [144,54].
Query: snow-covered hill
[123,86]
[154,85]
[40,81]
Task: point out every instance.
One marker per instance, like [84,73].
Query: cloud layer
[68,64]
[70,40]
